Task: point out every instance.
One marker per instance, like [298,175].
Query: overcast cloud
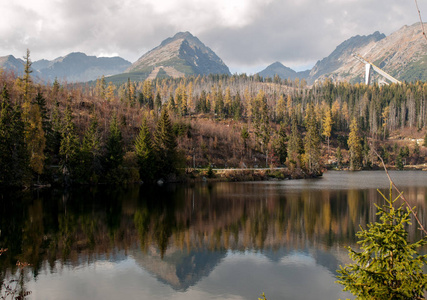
[247,34]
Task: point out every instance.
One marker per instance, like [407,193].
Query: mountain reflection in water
[185,236]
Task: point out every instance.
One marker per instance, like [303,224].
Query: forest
[97,132]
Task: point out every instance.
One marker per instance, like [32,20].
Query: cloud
[246,34]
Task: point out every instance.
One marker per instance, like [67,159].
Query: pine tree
[327,127]
[165,145]
[244,134]
[115,152]
[144,152]
[158,103]
[388,266]
[236,107]
[280,144]
[354,145]
[147,91]
[34,134]
[260,119]
[90,153]
[14,160]
[339,157]
[69,146]
[294,143]
[312,143]
[35,137]
[27,77]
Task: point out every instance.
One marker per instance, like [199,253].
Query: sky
[248,35]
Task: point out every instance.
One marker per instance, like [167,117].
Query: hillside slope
[183,54]
[402,54]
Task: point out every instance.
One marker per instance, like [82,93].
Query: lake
[201,241]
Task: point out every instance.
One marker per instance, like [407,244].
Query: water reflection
[187,236]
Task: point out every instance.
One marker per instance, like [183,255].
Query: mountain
[13,64]
[183,54]
[401,54]
[74,67]
[78,67]
[282,71]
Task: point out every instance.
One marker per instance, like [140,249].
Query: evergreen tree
[294,143]
[69,146]
[144,152]
[171,104]
[327,127]
[115,152]
[354,145]
[280,144]
[90,153]
[339,157]
[147,91]
[260,119]
[312,143]
[236,107]
[158,103]
[244,134]
[388,265]
[165,145]
[27,77]
[14,160]
[399,162]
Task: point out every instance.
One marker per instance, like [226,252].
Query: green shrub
[388,265]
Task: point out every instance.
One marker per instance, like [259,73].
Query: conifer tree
[115,152]
[339,158]
[144,152]
[90,153]
[354,145]
[244,134]
[294,143]
[165,145]
[27,77]
[158,103]
[260,119]
[312,143]
[327,127]
[69,146]
[236,107]
[280,143]
[147,91]
[14,160]
[34,133]
[388,265]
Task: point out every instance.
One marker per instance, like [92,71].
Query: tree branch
[422,24]
[402,196]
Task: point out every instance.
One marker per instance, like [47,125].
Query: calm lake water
[201,241]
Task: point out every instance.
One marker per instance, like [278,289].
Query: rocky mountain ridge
[74,67]
[277,68]
[401,54]
[180,54]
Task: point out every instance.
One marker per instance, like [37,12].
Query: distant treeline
[103,133]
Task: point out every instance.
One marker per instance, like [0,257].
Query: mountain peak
[183,35]
[180,55]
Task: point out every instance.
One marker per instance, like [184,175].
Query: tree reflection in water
[186,230]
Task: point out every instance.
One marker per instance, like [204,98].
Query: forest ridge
[81,133]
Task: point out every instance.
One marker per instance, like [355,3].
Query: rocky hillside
[282,71]
[75,67]
[12,64]
[401,54]
[183,54]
